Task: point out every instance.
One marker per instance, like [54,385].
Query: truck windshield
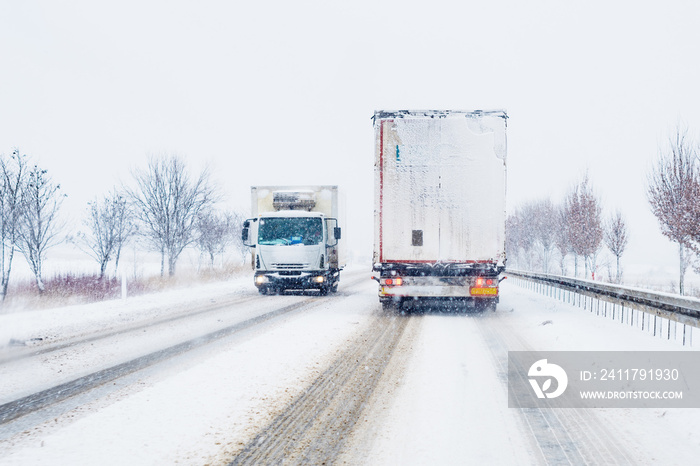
[290,230]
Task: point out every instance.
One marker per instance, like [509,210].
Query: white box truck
[295,234]
[439,216]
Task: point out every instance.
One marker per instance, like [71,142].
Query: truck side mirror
[335,236]
[245,233]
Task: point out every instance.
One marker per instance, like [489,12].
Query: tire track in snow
[45,398]
[108,333]
[314,427]
[560,435]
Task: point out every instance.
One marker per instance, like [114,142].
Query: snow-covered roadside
[55,324]
[557,326]
[30,331]
[659,436]
[192,416]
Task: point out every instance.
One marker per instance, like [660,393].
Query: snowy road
[321,379]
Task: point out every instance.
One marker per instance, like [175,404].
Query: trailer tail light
[395,281]
[484,287]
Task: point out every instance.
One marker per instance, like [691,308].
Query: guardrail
[655,312]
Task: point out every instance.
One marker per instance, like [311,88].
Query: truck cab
[294,246]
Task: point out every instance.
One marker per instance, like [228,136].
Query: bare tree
[543,218]
[38,227]
[572,216]
[168,202]
[214,233]
[219,231]
[616,238]
[672,191]
[561,237]
[592,225]
[13,179]
[236,221]
[520,237]
[512,239]
[108,227]
[584,223]
[124,226]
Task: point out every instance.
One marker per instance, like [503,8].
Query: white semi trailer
[439,212]
[295,233]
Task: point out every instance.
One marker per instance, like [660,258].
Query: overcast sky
[282,92]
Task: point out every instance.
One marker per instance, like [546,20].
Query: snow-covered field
[442,399]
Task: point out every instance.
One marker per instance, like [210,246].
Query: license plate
[484,291]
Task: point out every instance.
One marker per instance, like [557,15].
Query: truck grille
[289,266]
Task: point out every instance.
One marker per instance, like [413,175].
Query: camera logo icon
[547,372]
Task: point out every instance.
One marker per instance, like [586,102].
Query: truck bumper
[277,282]
[472,292]
[434,292]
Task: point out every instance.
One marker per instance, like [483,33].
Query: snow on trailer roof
[383,114]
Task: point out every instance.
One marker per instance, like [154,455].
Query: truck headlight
[261,279]
[318,279]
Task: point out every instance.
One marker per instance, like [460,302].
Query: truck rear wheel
[392,305]
[482,305]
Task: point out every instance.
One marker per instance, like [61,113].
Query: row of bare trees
[673,191]
[29,204]
[168,209]
[541,230]
[165,207]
